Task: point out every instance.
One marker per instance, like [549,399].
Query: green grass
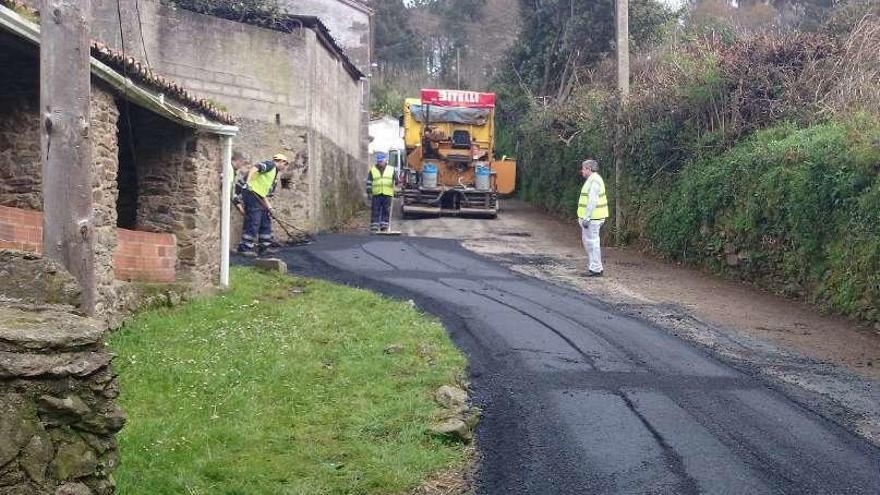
[282,386]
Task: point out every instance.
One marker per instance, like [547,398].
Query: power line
[131,147]
[137,9]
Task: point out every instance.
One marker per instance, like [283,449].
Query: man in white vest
[592,211]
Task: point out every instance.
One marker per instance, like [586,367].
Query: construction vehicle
[450,164]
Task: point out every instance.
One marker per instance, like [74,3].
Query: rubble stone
[29,329]
[31,278]
[271,265]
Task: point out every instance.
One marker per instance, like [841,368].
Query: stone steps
[57,412]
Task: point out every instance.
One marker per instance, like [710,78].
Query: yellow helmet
[281,157]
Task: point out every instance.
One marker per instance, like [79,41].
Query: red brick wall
[21,229]
[139,256]
[145,256]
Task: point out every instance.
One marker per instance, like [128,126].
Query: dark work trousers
[380,211]
[257,228]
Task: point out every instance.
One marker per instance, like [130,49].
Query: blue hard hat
[380,157]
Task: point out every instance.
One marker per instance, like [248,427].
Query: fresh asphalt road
[579,399]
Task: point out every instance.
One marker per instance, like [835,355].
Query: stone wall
[57,413]
[288,91]
[19,131]
[339,163]
[170,177]
[342,184]
[348,22]
[105,162]
[199,243]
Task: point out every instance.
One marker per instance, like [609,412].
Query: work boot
[591,273]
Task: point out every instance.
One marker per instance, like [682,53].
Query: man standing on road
[257,188]
[592,212]
[380,187]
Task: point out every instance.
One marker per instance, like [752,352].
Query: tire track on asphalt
[705,427]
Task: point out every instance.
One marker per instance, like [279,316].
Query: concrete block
[271,265]
[212,87]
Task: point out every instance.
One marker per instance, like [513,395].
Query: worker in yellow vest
[592,211]
[256,233]
[380,188]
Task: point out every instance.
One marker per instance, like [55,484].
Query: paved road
[578,399]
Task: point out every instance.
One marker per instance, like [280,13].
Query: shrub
[756,156]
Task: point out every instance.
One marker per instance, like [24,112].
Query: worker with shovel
[380,187]
[256,233]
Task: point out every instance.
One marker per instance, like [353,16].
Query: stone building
[156,205]
[156,168]
[291,86]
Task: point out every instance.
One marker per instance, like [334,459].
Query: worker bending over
[592,211]
[258,186]
[380,187]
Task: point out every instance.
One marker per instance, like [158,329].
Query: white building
[386,135]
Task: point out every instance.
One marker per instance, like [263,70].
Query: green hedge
[730,160]
[796,210]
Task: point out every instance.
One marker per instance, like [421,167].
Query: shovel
[292,240]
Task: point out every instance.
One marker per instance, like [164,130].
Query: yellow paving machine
[450,164]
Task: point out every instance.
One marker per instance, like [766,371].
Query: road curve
[578,399]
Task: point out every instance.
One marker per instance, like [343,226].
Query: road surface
[578,398]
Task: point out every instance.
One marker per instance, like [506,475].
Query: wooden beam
[65,93]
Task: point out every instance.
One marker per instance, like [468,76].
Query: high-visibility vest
[262,182]
[601,210]
[383,182]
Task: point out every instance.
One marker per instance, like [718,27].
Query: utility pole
[623,93]
[65,92]
[458,67]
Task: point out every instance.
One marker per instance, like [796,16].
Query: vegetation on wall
[240,10]
[754,153]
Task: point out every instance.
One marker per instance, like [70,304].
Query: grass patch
[282,386]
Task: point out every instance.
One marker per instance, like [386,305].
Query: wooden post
[622,18]
[65,91]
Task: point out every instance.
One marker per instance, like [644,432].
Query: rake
[301,239]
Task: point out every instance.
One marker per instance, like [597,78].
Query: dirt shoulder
[787,341]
